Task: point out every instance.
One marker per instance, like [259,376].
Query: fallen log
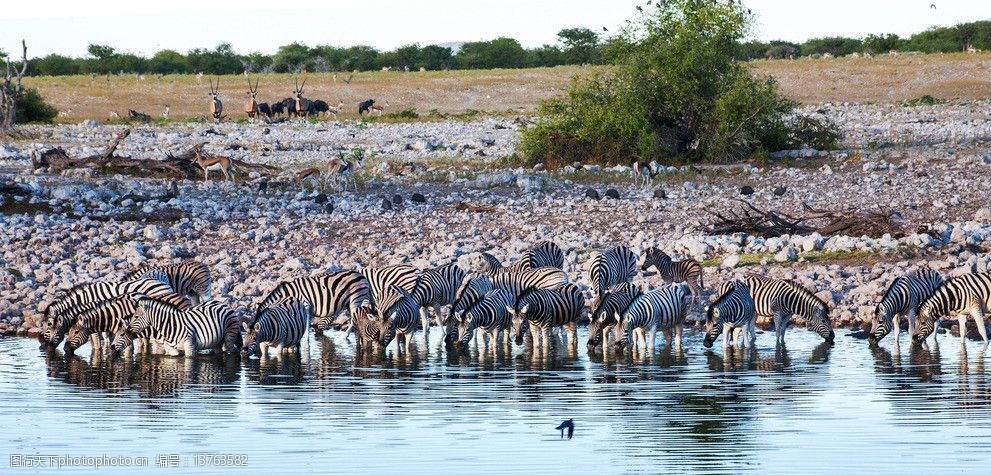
[767,223]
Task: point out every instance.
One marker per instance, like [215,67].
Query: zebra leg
[896,326]
[981,325]
[425,322]
[677,335]
[779,327]
[653,339]
[962,321]
[911,320]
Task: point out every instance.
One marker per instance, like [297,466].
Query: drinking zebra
[488,317]
[435,289]
[61,315]
[472,289]
[519,282]
[188,278]
[782,299]
[381,278]
[687,270]
[543,254]
[281,325]
[663,308]
[208,326]
[543,309]
[606,315]
[903,298]
[327,295]
[398,315]
[968,294]
[605,270]
[106,317]
[734,313]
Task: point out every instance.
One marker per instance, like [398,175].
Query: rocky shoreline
[929,163]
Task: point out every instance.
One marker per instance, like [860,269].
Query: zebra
[283,325]
[207,326]
[489,316]
[61,315]
[435,289]
[472,289]
[381,278]
[519,282]
[187,278]
[327,295]
[105,317]
[732,312]
[543,254]
[615,266]
[962,295]
[903,297]
[782,299]
[663,308]
[544,309]
[398,320]
[687,270]
[611,306]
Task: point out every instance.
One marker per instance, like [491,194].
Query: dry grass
[809,81]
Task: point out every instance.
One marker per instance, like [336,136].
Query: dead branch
[751,220]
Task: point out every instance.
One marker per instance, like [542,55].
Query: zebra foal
[673,272]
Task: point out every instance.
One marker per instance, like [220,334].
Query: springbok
[165,113]
[644,174]
[216,107]
[377,109]
[223,164]
[311,176]
[340,169]
[302,105]
[331,110]
[251,106]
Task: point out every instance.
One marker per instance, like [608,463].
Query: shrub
[925,100]
[676,93]
[33,108]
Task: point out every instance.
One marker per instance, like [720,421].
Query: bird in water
[568,424]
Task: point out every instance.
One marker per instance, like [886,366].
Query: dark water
[807,408]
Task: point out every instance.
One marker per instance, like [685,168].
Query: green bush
[676,93]
[33,108]
[925,100]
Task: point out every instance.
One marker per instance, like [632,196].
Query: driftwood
[751,220]
[11,188]
[139,116]
[181,166]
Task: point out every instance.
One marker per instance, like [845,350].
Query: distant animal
[932,6]
[644,174]
[140,116]
[216,107]
[302,104]
[165,113]
[365,106]
[348,80]
[568,424]
[278,108]
[378,109]
[310,176]
[265,109]
[334,110]
[903,298]
[222,164]
[688,270]
[341,170]
[251,106]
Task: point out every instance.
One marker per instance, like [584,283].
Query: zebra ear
[511,310]
[245,326]
[258,326]
[524,308]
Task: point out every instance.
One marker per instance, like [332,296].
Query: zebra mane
[137,272]
[725,295]
[888,291]
[806,292]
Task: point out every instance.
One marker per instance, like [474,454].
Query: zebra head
[880,325]
[925,323]
[712,326]
[625,327]
[141,318]
[466,328]
[820,324]
[366,325]
[122,340]
[520,323]
[77,336]
[251,328]
[653,257]
[55,324]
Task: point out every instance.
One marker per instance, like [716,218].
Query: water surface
[804,408]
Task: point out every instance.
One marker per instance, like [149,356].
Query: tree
[581,45]
[882,43]
[12,91]
[834,45]
[408,56]
[168,61]
[675,92]
[498,53]
[434,57]
[54,65]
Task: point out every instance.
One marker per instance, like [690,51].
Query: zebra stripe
[968,294]
[105,317]
[282,325]
[519,282]
[473,288]
[663,308]
[187,278]
[903,298]
[782,299]
[687,270]
[207,326]
[543,254]
[545,308]
[327,294]
[615,266]
[732,311]
[488,314]
[381,278]
[613,304]
[400,318]
[435,289]
[61,315]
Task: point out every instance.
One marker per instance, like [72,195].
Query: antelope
[165,113]
[311,176]
[216,107]
[341,169]
[302,105]
[223,164]
[251,106]
[377,109]
[331,110]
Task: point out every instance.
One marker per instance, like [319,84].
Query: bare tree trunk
[11,93]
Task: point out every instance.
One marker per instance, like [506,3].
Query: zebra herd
[169,309]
